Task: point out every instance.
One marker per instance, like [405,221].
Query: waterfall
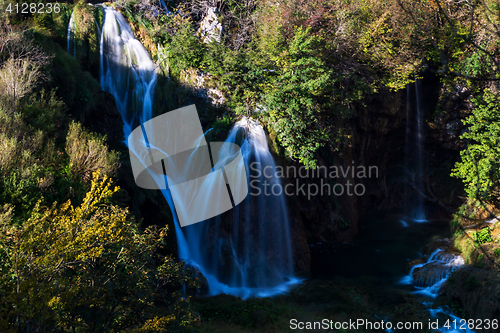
[247,252]
[414,157]
[127,71]
[71,27]
[420,214]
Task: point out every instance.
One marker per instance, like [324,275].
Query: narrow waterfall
[127,71]
[414,157]
[71,28]
[250,252]
[247,252]
[419,214]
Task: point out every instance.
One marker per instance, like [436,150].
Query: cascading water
[420,214]
[71,28]
[248,256]
[252,254]
[127,71]
[414,146]
[429,277]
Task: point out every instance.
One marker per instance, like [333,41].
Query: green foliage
[44,111]
[222,125]
[496,252]
[479,168]
[184,48]
[482,236]
[79,267]
[77,88]
[293,99]
[88,153]
[21,187]
[238,74]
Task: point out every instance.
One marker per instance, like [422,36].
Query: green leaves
[480,165]
[294,100]
[86,266]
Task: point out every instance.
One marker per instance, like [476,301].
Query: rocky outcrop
[474,293]
[210,27]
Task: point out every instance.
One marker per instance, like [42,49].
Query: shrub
[44,111]
[70,268]
[21,188]
[17,78]
[482,236]
[88,153]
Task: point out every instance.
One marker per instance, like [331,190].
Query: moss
[466,246]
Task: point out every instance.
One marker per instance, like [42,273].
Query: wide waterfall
[247,252]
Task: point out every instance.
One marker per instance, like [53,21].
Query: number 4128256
[33,8]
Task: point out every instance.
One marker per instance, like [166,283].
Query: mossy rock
[476,291]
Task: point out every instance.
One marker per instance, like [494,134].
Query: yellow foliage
[159,324]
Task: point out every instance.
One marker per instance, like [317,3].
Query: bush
[44,111]
[88,153]
[70,268]
[482,236]
[21,188]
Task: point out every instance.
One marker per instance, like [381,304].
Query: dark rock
[475,292]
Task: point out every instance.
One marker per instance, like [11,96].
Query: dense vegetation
[73,257]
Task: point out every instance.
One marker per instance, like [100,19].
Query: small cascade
[432,274]
[428,277]
[248,253]
[71,28]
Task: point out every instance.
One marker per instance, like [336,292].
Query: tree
[21,64]
[86,268]
[294,98]
[480,165]
[17,78]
